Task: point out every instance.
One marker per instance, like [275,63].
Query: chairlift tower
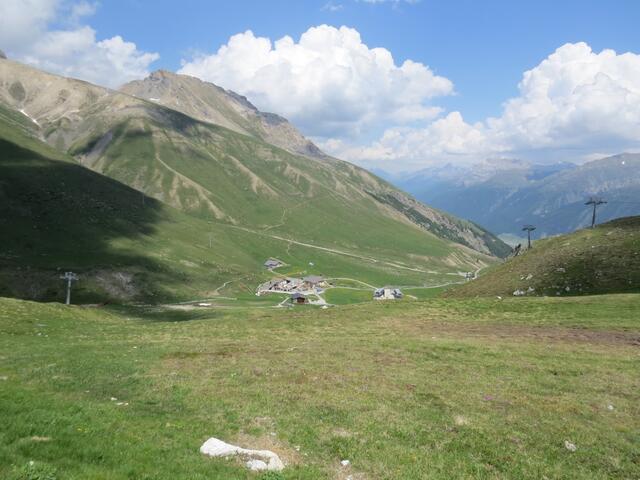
[69,277]
[595,202]
[528,229]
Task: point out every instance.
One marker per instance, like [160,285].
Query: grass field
[404,390]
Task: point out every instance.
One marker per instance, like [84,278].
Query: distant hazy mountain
[502,195]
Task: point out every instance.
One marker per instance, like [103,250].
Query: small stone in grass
[256,465]
[345,463]
[113,399]
[610,407]
[570,446]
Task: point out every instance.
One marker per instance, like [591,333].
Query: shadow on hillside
[57,216]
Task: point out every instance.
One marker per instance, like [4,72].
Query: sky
[397,85]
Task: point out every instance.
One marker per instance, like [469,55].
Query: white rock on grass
[345,463]
[256,465]
[570,446]
[256,459]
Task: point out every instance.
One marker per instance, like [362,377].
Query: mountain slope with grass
[605,259]
[57,215]
[218,174]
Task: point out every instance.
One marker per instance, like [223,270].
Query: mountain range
[504,194]
[204,158]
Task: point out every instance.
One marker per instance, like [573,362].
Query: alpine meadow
[210,268]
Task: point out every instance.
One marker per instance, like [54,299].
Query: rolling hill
[605,259]
[181,206]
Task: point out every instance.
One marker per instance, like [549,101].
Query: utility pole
[69,277]
[595,202]
[528,229]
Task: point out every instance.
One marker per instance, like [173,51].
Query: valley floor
[433,389]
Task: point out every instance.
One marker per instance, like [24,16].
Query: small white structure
[387,293]
[272,263]
[255,459]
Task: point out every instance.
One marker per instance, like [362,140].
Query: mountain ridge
[551,197]
[211,103]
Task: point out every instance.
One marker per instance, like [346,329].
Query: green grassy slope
[232,178]
[224,176]
[418,390]
[590,261]
[56,215]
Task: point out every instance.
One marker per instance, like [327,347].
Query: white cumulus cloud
[574,103]
[26,35]
[329,82]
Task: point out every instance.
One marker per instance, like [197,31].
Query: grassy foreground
[409,390]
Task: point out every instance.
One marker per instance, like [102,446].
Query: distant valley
[503,195]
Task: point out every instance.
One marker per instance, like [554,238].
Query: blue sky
[482,46]
[406,84]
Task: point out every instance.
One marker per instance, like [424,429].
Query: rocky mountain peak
[213,104]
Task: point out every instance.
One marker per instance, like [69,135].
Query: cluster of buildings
[311,283]
[300,288]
